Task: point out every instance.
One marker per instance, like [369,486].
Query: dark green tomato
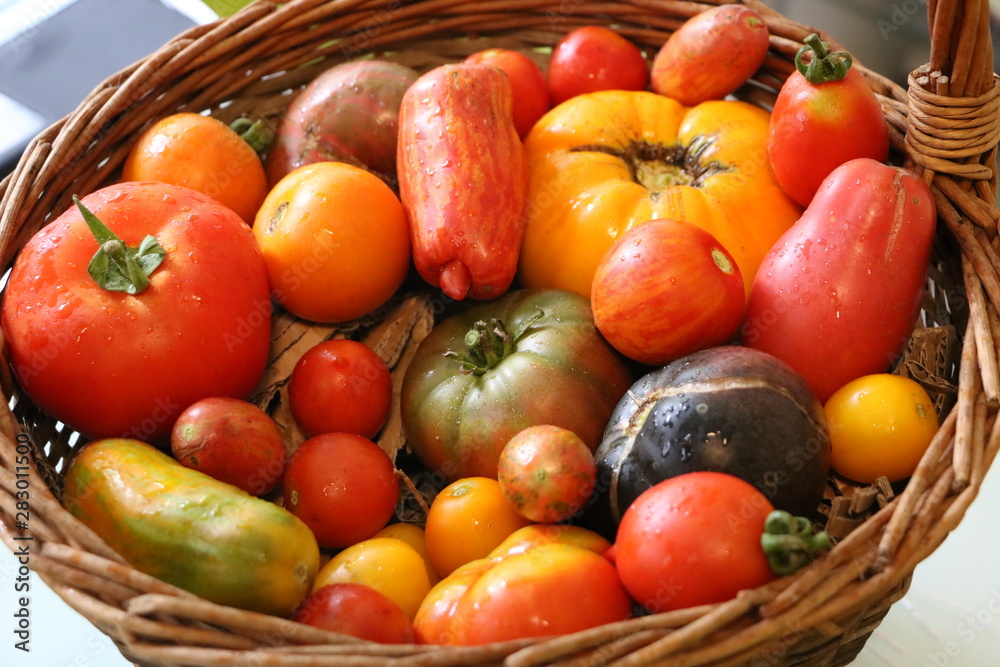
[726,409]
[529,358]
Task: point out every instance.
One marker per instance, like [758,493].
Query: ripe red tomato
[340,385]
[547,473]
[528,85]
[595,58]
[356,610]
[111,364]
[693,539]
[343,486]
[711,55]
[665,289]
[838,294]
[231,440]
[825,114]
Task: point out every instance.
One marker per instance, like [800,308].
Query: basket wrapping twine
[945,128]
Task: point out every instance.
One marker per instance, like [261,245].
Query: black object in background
[51,67]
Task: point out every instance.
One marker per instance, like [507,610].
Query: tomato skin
[356,610]
[693,539]
[204,154]
[815,128]
[467,520]
[340,385]
[567,588]
[838,294]
[711,55]
[528,85]
[559,371]
[594,58]
[231,440]
[547,473]
[665,289]
[880,424]
[201,328]
[343,486]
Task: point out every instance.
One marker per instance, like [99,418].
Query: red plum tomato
[231,440]
[547,473]
[343,486]
[356,610]
[340,385]
[665,289]
[693,539]
[528,84]
[593,58]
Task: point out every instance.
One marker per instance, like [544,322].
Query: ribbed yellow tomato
[604,162]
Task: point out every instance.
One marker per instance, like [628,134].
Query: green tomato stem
[488,343]
[824,66]
[116,266]
[790,543]
[258,133]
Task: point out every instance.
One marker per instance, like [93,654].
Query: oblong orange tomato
[604,162]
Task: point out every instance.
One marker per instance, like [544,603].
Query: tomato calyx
[658,167]
[790,543]
[118,267]
[825,65]
[258,133]
[488,343]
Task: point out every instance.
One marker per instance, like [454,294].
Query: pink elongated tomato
[463,179]
[838,294]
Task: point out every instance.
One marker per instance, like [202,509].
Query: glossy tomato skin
[356,610]
[815,128]
[559,371]
[530,89]
[111,364]
[693,539]
[859,255]
[595,58]
[340,385]
[667,288]
[547,473]
[231,440]
[343,486]
[711,55]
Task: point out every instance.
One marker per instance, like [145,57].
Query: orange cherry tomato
[880,424]
[204,154]
[336,241]
[467,519]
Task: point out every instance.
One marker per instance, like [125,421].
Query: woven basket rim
[206,68]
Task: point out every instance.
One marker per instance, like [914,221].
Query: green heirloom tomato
[529,358]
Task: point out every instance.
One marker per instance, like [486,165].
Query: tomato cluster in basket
[664,316]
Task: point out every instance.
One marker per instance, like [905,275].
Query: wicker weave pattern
[946,128]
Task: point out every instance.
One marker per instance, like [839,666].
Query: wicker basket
[946,128]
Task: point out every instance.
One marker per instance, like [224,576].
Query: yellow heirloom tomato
[604,162]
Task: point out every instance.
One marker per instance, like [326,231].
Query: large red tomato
[111,363]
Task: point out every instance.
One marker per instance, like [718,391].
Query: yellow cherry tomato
[388,565]
[467,520]
[413,535]
[880,424]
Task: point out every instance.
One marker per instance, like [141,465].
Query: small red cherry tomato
[340,385]
[356,610]
[343,486]
[693,539]
[231,440]
[595,58]
[528,84]
[825,115]
[711,55]
[547,473]
[665,289]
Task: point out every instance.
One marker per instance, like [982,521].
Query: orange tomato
[204,154]
[335,240]
[467,520]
